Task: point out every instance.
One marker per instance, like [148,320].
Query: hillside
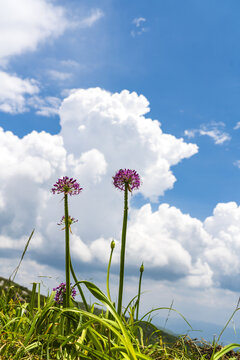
[16,291]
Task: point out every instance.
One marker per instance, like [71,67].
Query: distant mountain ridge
[19,290]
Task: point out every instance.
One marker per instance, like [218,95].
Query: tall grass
[58,328]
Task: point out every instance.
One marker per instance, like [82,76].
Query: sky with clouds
[89,87]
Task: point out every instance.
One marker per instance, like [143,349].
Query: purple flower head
[66,186]
[126,176]
[61,290]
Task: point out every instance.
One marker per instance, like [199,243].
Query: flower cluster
[66,186]
[60,291]
[126,176]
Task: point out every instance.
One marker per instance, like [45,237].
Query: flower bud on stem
[108,270]
[139,290]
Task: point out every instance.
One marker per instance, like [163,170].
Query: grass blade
[14,273]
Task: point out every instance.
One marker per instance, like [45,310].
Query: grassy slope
[172,347]
[25,294]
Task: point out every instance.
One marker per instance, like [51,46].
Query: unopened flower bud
[112,244]
[141,268]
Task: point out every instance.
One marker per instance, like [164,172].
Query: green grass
[34,327]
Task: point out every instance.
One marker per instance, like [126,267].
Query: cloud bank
[102,132]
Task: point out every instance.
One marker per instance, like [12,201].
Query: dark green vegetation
[33,326]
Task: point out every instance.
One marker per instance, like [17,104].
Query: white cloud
[25,24]
[79,249]
[139,28]
[237,163]
[36,156]
[237,126]
[89,167]
[224,227]
[205,305]
[70,63]
[190,133]
[176,247]
[23,27]
[59,75]
[213,130]
[91,19]
[19,95]
[119,120]
[218,136]
[163,240]
[138,21]
[102,132]
[14,92]
[48,106]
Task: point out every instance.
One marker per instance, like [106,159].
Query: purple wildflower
[126,176]
[60,291]
[66,186]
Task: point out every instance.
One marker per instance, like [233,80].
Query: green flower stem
[139,290]
[123,245]
[78,286]
[67,251]
[108,270]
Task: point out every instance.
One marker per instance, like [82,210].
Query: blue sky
[183,57]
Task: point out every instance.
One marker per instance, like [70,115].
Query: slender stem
[67,251]
[108,270]
[123,245]
[139,290]
[79,287]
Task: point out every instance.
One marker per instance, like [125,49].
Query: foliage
[34,327]
[57,327]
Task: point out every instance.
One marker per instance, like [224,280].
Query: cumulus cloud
[163,240]
[119,119]
[102,132]
[14,92]
[222,252]
[213,130]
